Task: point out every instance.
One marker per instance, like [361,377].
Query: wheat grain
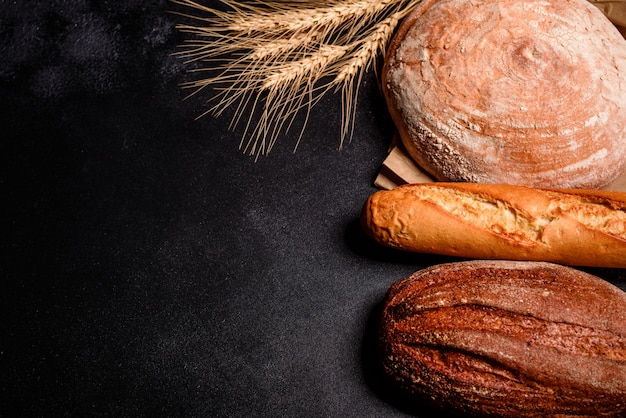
[310,66]
[351,72]
[281,17]
[369,48]
[268,49]
[278,58]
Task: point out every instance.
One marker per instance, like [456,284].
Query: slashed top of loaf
[524,224]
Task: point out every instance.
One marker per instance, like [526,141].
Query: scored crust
[510,91]
[508,339]
[472,220]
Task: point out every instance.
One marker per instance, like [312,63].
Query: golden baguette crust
[510,91]
[508,339]
[490,221]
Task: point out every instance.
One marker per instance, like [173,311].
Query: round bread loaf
[521,92]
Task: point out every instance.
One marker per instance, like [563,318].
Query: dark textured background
[149,268]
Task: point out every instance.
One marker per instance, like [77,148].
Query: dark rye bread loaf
[509,339]
[510,91]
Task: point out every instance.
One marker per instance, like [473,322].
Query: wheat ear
[275,59]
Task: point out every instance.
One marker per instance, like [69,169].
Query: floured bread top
[510,91]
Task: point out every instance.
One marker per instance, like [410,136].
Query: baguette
[470,220]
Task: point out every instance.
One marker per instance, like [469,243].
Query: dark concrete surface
[149,268]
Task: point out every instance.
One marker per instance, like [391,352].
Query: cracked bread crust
[488,221]
[507,339]
[510,91]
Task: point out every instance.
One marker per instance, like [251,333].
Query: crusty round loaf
[521,92]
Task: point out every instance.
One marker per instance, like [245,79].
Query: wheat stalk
[274,59]
[351,72]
